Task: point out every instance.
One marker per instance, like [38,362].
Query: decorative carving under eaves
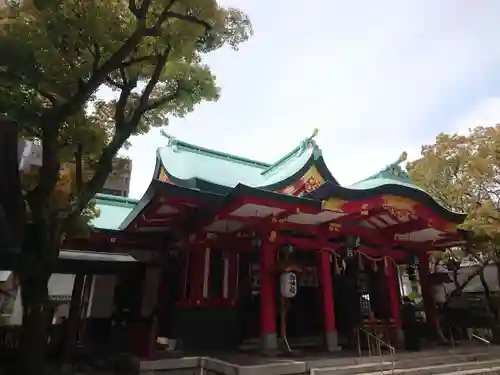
[333,204]
[401,208]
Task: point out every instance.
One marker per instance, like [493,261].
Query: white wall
[101,296]
[61,284]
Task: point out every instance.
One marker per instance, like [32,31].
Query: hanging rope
[385,258]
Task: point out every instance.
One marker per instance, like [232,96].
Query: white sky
[376,78]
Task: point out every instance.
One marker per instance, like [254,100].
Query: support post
[71,329]
[197,274]
[394,302]
[431,314]
[331,337]
[267,298]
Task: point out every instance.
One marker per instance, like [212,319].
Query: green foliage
[54,57]
[463,173]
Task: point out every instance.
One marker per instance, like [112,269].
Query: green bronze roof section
[392,180]
[198,167]
[393,174]
[112,211]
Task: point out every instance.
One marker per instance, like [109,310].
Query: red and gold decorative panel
[163,176]
[311,180]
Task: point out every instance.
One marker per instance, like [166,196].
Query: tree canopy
[54,57]
[463,173]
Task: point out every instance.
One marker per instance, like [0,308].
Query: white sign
[30,155]
[288,284]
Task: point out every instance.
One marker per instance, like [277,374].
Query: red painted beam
[403,228]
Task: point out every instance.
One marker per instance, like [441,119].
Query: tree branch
[96,52]
[121,104]
[102,170]
[75,103]
[113,83]
[22,81]
[154,104]
[138,60]
[105,164]
[466,282]
[189,18]
[139,12]
[155,30]
[144,100]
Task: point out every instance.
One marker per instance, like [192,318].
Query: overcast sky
[375,77]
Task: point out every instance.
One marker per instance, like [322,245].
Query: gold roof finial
[401,158]
[404,155]
[314,134]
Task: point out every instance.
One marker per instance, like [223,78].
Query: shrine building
[234,252]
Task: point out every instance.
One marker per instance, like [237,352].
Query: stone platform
[460,361]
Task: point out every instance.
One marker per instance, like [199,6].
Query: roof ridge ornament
[309,141]
[395,168]
[172,141]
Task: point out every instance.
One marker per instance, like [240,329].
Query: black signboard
[352,244]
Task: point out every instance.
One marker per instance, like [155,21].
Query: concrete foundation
[332,341]
[269,343]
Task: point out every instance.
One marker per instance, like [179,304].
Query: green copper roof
[393,174]
[112,211]
[186,161]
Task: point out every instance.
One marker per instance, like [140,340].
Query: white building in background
[11,310]
[491,275]
[118,183]
[99,302]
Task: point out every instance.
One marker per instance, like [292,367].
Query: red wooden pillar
[394,300]
[268,297]
[429,303]
[197,274]
[331,338]
[232,277]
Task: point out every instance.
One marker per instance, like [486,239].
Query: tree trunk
[490,309]
[73,322]
[458,291]
[33,339]
[12,209]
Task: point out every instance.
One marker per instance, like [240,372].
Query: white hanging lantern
[288,284]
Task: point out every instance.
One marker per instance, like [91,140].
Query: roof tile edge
[306,143]
[108,198]
[392,171]
[179,145]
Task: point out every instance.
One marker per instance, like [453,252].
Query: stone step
[449,368]
[413,359]
[478,371]
[407,365]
